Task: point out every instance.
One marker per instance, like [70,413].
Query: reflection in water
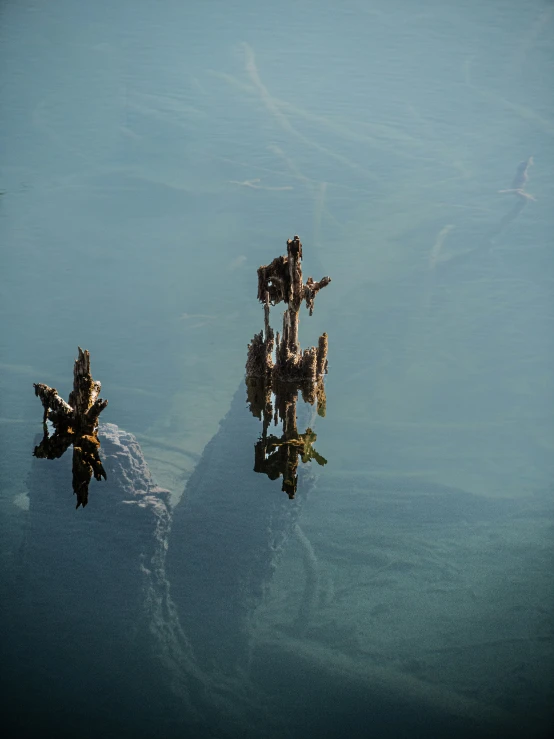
[276,456]
[293,370]
[74,423]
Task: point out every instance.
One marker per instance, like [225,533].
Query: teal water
[155,154]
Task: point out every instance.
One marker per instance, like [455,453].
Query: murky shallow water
[153,159]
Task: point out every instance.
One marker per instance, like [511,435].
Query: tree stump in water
[293,371]
[75,422]
[281,281]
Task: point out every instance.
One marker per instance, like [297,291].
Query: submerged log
[74,423]
[520,180]
[81,625]
[228,532]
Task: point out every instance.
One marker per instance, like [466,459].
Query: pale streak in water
[437,246]
[318,212]
[281,119]
[253,184]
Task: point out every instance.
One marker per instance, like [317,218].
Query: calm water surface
[154,154]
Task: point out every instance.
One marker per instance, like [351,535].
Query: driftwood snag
[75,422]
[292,371]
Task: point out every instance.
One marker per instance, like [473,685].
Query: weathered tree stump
[281,281]
[75,423]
